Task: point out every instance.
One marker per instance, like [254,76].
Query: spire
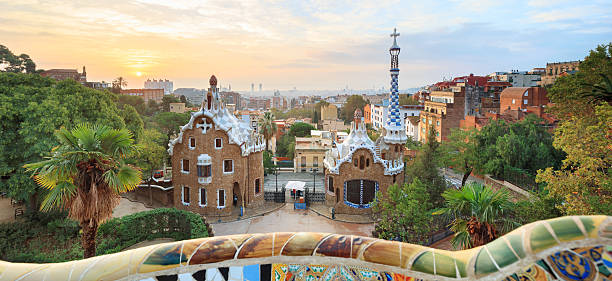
[395,132]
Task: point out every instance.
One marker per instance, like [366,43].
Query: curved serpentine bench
[567,248]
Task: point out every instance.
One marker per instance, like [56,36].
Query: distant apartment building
[145,94]
[262,103]
[329,112]
[375,99]
[165,84]
[279,102]
[522,98]
[410,110]
[517,78]
[367,113]
[232,98]
[309,153]
[177,107]
[443,111]
[334,125]
[379,114]
[556,69]
[98,85]
[193,95]
[63,74]
[412,127]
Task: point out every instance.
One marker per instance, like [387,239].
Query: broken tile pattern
[183,260]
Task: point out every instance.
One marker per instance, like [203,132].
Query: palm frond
[59,196]
[123,178]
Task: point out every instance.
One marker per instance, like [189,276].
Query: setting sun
[138,73]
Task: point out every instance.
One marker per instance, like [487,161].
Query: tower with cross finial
[395,133]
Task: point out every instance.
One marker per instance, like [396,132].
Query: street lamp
[314,176]
[276,175]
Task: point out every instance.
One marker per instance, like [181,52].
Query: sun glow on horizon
[138,73]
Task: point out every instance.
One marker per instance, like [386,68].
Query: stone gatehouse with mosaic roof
[217,160]
[356,169]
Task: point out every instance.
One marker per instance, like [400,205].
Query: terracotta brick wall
[243,169]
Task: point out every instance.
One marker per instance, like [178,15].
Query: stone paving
[288,219]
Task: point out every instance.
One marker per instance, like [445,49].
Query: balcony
[204,180]
[567,248]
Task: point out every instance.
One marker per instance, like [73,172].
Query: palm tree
[85,175]
[118,84]
[478,213]
[601,91]
[267,127]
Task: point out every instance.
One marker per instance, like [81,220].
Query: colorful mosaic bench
[568,248]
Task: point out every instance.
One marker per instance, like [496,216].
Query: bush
[119,233]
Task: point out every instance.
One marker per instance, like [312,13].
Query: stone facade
[329,112]
[443,111]
[556,69]
[217,161]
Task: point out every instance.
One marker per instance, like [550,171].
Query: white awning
[297,185]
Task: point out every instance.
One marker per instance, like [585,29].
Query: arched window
[368,162]
[330,184]
[361,162]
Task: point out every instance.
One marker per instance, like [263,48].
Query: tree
[133,121]
[540,205]
[18,64]
[118,84]
[151,154]
[426,168]
[408,100]
[585,178]
[134,101]
[169,123]
[300,129]
[478,212]
[267,127]
[32,108]
[461,153]
[268,163]
[404,213]
[353,103]
[85,174]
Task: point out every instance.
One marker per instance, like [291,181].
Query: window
[228,166]
[437,123]
[303,161]
[355,162]
[513,101]
[394,178]
[203,201]
[257,188]
[524,101]
[204,171]
[185,195]
[185,166]
[315,161]
[221,198]
[367,162]
[360,193]
[330,184]
[218,143]
[361,162]
[192,143]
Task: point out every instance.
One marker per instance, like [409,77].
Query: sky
[306,44]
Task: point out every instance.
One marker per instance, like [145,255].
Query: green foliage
[135,101]
[18,64]
[404,213]
[408,100]
[584,180]
[119,233]
[300,129]
[425,168]
[268,163]
[460,152]
[352,103]
[133,121]
[539,206]
[267,127]
[50,237]
[32,108]
[478,212]
[169,123]
[152,151]
[285,146]
[510,151]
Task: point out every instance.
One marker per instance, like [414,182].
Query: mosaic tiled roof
[567,248]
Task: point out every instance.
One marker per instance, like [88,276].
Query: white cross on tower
[394,34]
[204,125]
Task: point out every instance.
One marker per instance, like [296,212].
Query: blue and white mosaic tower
[395,123]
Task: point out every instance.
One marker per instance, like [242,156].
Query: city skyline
[311,45]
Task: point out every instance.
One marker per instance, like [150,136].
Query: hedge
[119,233]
